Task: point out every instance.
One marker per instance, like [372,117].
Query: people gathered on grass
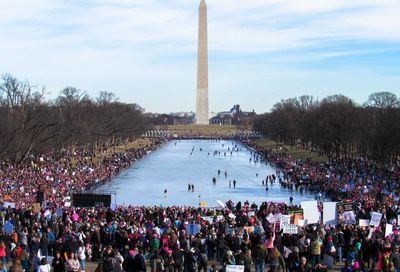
[128,238]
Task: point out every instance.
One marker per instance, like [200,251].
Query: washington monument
[202,117]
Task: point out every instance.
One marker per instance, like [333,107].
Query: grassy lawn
[295,153]
[202,130]
[140,143]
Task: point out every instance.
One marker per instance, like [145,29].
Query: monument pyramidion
[202,113]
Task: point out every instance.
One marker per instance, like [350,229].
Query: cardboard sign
[234,268]
[311,212]
[375,219]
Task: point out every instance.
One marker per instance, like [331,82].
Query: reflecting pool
[183,162]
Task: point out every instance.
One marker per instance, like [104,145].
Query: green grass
[203,130]
[295,153]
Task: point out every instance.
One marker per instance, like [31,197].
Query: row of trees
[336,126]
[30,124]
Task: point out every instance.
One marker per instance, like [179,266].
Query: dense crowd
[190,238]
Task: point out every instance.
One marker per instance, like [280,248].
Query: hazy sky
[260,51]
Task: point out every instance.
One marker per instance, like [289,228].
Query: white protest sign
[371,231]
[300,223]
[232,216]
[9,205]
[209,219]
[271,218]
[285,220]
[375,219]
[289,229]
[311,212]
[363,222]
[388,230]
[330,216]
[234,268]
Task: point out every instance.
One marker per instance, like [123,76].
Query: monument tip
[203,3]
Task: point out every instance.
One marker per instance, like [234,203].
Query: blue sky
[261,51]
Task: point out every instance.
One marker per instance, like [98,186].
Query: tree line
[336,126]
[31,124]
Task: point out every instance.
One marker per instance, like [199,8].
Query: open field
[139,143]
[202,130]
[295,153]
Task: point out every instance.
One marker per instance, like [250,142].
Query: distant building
[234,117]
[178,118]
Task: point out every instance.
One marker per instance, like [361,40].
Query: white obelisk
[202,115]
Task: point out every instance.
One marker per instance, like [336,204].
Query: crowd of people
[193,238]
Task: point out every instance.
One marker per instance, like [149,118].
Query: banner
[375,219]
[311,212]
[330,216]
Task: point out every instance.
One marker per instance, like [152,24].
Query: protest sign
[289,229]
[230,231]
[286,252]
[193,229]
[349,218]
[9,205]
[341,208]
[330,216]
[375,219]
[234,268]
[249,229]
[285,220]
[296,215]
[271,218]
[311,212]
[209,219]
[363,222]
[388,230]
